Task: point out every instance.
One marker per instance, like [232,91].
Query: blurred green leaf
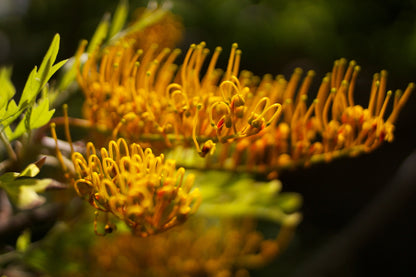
[119,18]
[23,241]
[229,195]
[23,191]
[100,34]
[7,89]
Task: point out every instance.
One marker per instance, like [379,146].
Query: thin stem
[8,146]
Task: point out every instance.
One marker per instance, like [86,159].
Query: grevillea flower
[197,248]
[141,96]
[330,125]
[146,191]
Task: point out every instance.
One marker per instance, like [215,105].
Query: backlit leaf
[119,18]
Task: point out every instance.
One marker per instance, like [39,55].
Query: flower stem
[8,146]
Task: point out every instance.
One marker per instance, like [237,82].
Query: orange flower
[143,190]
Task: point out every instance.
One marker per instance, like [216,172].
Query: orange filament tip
[298,70]
[235,45]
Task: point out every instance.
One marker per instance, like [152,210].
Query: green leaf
[100,34]
[36,115]
[22,189]
[55,68]
[38,78]
[145,21]
[119,18]
[23,241]
[10,114]
[48,61]
[28,197]
[7,89]
[240,196]
[32,169]
[41,114]
[24,192]
[17,132]
[31,88]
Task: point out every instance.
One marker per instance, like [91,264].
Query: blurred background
[276,37]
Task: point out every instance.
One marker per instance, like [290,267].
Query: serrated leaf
[10,114]
[17,132]
[38,78]
[55,68]
[29,189]
[7,89]
[30,90]
[24,192]
[41,114]
[48,61]
[22,189]
[119,18]
[100,34]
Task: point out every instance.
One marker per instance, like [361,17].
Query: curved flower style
[144,190]
[132,93]
[263,124]
[137,98]
[331,125]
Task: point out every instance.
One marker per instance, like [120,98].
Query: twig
[26,219]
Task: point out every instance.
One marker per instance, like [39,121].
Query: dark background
[338,236]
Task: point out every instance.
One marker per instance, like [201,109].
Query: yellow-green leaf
[100,34]
[40,114]
[119,18]
[23,241]
[7,89]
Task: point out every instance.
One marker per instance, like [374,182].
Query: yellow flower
[143,190]
[266,124]
[139,95]
[201,247]
[330,126]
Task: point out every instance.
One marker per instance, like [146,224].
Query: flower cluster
[330,125]
[197,248]
[144,190]
[141,96]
